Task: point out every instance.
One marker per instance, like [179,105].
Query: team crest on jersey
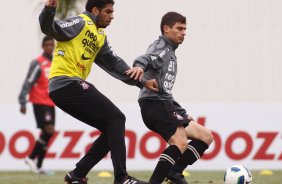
[84,85]
[100,31]
[61,53]
[48,117]
[154,58]
[90,22]
[177,116]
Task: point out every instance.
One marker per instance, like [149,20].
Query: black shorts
[84,102]
[163,116]
[44,115]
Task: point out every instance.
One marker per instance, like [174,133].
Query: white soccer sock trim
[195,152]
[69,175]
[41,141]
[168,158]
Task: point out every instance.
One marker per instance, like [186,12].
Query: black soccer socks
[195,150]
[166,161]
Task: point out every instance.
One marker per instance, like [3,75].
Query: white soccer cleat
[45,172]
[32,165]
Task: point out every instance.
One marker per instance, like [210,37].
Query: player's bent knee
[121,118]
[180,143]
[182,146]
[208,137]
[117,123]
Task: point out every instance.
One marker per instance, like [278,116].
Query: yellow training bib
[74,58]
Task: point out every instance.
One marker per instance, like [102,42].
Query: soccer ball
[237,174]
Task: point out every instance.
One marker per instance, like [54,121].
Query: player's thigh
[84,102]
[196,131]
[44,115]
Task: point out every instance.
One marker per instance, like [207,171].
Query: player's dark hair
[170,18]
[45,39]
[97,3]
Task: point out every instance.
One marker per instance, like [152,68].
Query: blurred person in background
[36,88]
[161,113]
[82,41]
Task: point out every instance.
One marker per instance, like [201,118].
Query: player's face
[176,33]
[105,16]
[49,46]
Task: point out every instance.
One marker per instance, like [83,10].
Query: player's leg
[98,150]
[47,132]
[111,122]
[160,117]
[88,105]
[84,102]
[111,139]
[170,155]
[201,137]
[44,116]
[45,136]
[39,117]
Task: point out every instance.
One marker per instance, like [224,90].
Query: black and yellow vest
[74,58]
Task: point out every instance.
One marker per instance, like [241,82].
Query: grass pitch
[195,177]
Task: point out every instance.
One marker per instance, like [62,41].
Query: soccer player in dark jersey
[161,113]
[36,88]
[82,41]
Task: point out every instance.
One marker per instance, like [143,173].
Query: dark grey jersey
[159,63]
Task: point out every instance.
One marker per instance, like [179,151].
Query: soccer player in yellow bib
[81,41]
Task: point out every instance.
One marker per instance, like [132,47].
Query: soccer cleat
[45,172]
[32,165]
[175,178]
[71,179]
[131,180]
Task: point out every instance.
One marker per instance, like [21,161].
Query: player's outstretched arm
[135,72]
[116,66]
[61,30]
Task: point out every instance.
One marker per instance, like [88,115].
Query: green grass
[195,177]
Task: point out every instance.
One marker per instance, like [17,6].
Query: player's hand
[135,72]
[190,118]
[51,3]
[152,85]
[23,109]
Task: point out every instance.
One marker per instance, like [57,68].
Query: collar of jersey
[92,17]
[173,45]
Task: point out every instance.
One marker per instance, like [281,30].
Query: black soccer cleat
[71,179]
[175,178]
[131,180]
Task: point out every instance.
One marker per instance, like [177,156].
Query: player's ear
[95,11]
[166,28]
